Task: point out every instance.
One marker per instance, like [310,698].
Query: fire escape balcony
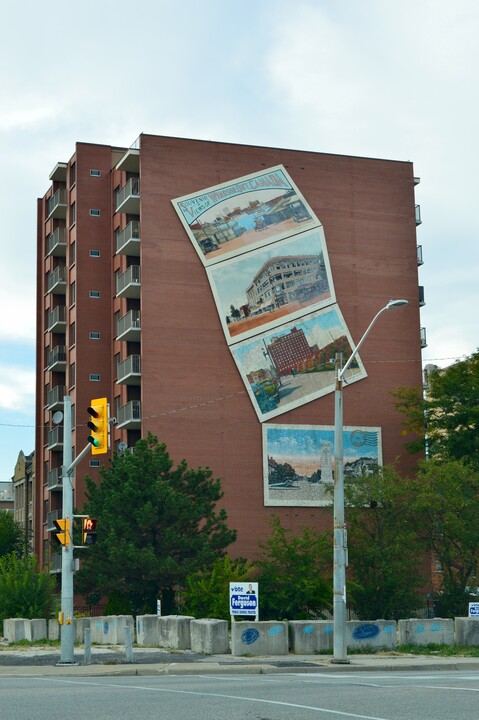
[57,205]
[128,284]
[51,517]
[423,338]
[55,439]
[57,281]
[127,198]
[56,320]
[418,215]
[128,239]
[57,359]
[129,371]
[57,242]
[54,479]
[129,415]
[55,397]
[128,327]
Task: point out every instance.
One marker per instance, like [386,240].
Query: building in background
[6,496]
[23,482]
[125,311]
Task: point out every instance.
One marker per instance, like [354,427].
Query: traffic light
[99,426]
[62,536]
[88,531]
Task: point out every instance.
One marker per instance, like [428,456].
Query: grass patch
[441,650]
[24,644]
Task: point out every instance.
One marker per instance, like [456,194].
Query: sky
[391,79]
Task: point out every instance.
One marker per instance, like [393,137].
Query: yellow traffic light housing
[88,531]
[62,536]
[99,426]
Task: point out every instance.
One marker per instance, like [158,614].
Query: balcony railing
[128,239]
[128,284]
[129,415]
[55,397]
[51,517]
[54,479]
[423,338]
[57,280]
[420,261]
[127,198]
[56,563]
[55,439]
[418,215]
[57,358]
[57,242]
[129,371]
[57,319]
[422,301]
[57,204]
[128,327]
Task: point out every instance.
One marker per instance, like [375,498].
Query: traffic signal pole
[67,638]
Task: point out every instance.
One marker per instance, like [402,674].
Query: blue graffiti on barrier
[308,629]
[365,632]
[249,636]
[275,630]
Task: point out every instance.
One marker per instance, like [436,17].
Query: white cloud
[17,389]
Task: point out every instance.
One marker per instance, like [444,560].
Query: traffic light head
[99,426]
[88,531]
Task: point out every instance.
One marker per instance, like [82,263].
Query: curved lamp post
[340,538]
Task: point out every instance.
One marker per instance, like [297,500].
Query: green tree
[235,313]
[294,574]
[12,535]
[156,525]
[446,499]
[384,547]
[449,413]
[282,473]
[207,592]
[25,591]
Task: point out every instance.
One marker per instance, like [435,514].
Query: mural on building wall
[248,212]
[294,364]
[298,466]
[269,286]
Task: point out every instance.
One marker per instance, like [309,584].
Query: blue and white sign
[474,609]
[244,599]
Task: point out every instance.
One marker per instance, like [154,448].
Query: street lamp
[340,538]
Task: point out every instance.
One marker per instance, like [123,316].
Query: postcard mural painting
[271,285]
[294,363]
[250,211]
[298,461]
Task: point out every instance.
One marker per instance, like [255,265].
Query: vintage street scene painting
[294,364]
[298,462]
[251,211]
[267,287]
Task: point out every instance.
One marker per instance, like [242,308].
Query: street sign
[244,599]
[474,609]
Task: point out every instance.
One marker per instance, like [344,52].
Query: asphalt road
[364,695]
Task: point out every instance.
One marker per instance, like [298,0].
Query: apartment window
[73,212]
[94,336]
[72,293]
[95,173]
[94,377]
[94,293]
[94,253]
[94,463]
[72,334]
[72,374]
[117,360]
[73,252]
[94,212]
[73,173]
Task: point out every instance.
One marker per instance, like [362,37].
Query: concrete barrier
[147,632]
[79,627]
[307,637]
[467,631]
[210,636]
[174,631]
[36,630]
[14,629]
[424,632]
[110,629]
[371,634]
[259,638]
[53,629]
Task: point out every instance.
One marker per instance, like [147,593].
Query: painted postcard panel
[271,285]
[234,217]
[298,461]
[294,364]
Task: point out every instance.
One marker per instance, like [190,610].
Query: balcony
[57,242]
[129,415]
[128,239]
[54,479]
[129,371]
[128,284]
[127,198]
[57,281]
[423,338]
[59,172]
[420,261]
[418,215]
[128,327]
[57,359]
[55,439]
[57,205]
[422,301]
[51,517]
[55,397]
[57,320]
[130,162]
[56,563]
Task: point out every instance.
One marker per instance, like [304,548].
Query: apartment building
[125,311]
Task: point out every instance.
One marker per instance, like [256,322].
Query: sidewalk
[112,662]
